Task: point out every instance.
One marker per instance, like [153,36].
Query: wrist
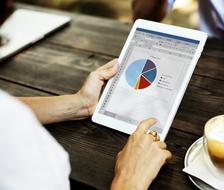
[123,181]
[76,107]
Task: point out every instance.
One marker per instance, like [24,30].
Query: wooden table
[60,63]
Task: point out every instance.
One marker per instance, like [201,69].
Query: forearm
[57,108]
[76,106]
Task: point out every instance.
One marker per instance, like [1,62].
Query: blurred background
[184,12]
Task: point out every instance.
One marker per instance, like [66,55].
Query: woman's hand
[91,90]
[139,162]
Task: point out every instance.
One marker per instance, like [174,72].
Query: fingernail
[154,119]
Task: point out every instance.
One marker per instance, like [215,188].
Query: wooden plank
[19,90]
[211,65]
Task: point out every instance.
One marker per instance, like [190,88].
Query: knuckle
[162,156]
[166,155]
[163,145]
[143,123]
[92,74]
[169,154]
[134,136]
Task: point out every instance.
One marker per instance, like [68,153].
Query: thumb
[108,72]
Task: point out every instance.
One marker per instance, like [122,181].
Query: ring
[155,135]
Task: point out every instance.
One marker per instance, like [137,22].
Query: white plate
[194,149]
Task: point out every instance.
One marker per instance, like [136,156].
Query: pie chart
[140,74]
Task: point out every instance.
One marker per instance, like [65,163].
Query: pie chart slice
[134,71]
[148,66]
[143,83]
[150,75]
[137,84]
[141,74]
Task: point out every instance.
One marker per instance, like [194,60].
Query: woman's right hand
[139,162]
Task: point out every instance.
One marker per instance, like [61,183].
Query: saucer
[194,149]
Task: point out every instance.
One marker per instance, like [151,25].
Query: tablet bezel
[164,28]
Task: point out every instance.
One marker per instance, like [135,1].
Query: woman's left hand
[91,90]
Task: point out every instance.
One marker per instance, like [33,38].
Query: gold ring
[155,135]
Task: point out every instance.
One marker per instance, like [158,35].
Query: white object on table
[199,168]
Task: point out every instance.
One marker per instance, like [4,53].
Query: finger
[106,74]
[109,65]
[157,138]
[162,145]
[168,154]
[152,135]
[145,125]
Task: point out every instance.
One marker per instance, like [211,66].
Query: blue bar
[169,36]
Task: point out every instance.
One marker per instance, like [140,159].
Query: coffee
[214,141]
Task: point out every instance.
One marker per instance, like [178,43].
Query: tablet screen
[149,77]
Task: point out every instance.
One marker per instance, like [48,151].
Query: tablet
[155,67]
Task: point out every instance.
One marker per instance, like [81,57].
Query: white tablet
[155,67]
